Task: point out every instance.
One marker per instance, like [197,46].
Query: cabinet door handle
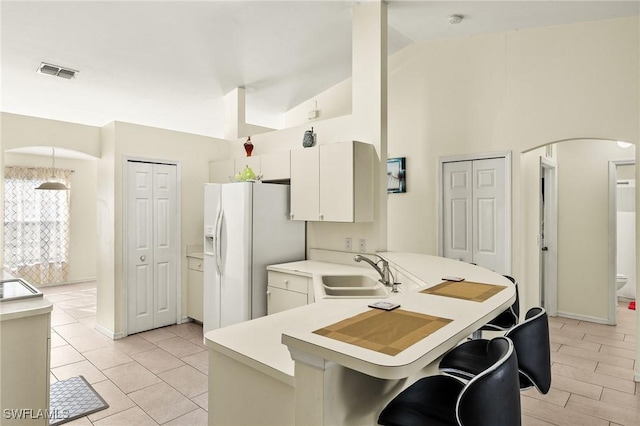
[291,216]
[143,258]
[286,283]
[321,216]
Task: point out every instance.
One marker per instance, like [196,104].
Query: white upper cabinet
[275,166]
[333,183]
[305,184]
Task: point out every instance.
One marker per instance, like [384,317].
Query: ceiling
[169,64]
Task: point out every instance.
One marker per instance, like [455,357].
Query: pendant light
[52,184]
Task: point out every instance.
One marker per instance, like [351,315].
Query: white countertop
[258,343]
[22,308]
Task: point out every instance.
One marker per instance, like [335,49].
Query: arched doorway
[586,271]
[80,259]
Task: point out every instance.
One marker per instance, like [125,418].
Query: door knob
[143,258]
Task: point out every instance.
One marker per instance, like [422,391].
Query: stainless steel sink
[17,289]
[352,286]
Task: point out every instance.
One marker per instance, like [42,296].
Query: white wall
[333,102]
[509,91]
[583,225]
[121,140]
[20,131]
[83,231]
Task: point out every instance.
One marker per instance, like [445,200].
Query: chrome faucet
[386,277]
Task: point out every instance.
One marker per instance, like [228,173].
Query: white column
[369,98]
[234,116]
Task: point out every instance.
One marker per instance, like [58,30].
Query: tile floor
[160,376]
[157,377]
[592,375]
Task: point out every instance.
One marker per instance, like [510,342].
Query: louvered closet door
[151,238]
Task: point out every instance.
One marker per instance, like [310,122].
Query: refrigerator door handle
[218,238]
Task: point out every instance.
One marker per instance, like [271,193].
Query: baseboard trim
[110,334]
[579,317]
[78,281]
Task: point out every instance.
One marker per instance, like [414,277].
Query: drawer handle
[143,258]
[199,265]
[286,282]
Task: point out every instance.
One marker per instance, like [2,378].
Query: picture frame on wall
[396,175]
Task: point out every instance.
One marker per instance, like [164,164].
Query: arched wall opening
[584,272]
[83,201]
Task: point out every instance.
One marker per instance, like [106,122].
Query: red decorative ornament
[248,146]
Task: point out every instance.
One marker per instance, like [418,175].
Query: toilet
[621,280]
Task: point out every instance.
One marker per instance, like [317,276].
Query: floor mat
[73,398]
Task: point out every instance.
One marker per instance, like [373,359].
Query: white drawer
[288,282]
[196,264]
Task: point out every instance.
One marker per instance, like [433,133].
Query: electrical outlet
[347,244]
[363,245]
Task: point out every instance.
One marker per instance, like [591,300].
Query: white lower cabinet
[195,278]
[287,291]
[25,350]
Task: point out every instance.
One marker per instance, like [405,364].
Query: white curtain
[36,225]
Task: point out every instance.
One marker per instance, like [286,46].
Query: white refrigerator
[246,228]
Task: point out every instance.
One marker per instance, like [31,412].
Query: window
[36,225]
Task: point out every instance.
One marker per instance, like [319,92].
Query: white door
[457,211]
[489,214]
[475,212]
[152,244]
[548,237]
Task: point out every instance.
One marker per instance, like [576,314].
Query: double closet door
[151,239]
[475,212]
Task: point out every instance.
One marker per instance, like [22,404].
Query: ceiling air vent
[56,70]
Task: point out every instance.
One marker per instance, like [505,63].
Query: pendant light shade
[52,184]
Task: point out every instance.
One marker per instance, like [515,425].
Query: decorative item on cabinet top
[309,139]
[247,175]
[248,146]
[396,175]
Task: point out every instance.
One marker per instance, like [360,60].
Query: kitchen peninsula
[25,331]
[279,370]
